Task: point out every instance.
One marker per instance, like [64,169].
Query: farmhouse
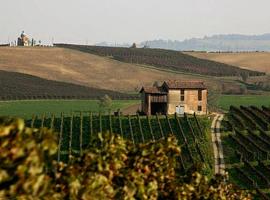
[175,97]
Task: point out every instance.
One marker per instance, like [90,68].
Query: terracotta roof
[153,90]
[175,84]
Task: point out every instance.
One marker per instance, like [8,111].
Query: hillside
[259,61]
[164,59]
[230,42]
[85,69]
[21,86]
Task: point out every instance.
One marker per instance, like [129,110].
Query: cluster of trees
[111,168]
[167,59]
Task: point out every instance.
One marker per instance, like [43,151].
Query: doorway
[180,110]
[158,108]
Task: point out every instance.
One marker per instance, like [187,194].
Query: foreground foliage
[111,168]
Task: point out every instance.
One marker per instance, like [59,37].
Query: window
[199,108]
[199,95]
[182,95]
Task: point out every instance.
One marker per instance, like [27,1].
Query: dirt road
[218,149]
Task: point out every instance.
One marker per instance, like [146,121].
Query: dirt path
[218,149]
[131,110]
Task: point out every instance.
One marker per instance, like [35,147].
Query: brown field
[259,61]
[85,69]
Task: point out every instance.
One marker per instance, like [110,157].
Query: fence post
[60,137]
[71,134]
[81,133]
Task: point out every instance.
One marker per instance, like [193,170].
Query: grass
[225,101]
[25,109]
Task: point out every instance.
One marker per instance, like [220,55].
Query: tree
[134,46]
[33,42]
[244,76]
[213,98]
[105,103]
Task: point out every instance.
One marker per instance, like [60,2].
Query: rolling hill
[164,59]
[221,42]
[22,86]
[85,69]
[259,61]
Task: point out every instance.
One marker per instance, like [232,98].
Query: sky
[127,21]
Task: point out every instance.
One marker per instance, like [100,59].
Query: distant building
[175,97]
[23,40]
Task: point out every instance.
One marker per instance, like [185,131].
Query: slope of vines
[165,59]
[76,131]
[247,148]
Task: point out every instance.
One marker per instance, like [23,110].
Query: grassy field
[225,101]
[26,109]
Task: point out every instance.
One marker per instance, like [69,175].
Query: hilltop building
[23,40]
[175,97]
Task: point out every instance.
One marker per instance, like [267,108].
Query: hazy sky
[121,21]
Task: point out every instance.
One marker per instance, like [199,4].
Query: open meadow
[26,109]
[225,101]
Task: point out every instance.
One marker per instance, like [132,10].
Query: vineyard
[77,130]
[165,59]
[18,86]
[246,142]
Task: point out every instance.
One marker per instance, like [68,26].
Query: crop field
[77,130]
[225,101]
[246,144]
[26,109]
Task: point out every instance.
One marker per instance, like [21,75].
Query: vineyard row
[77,131]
